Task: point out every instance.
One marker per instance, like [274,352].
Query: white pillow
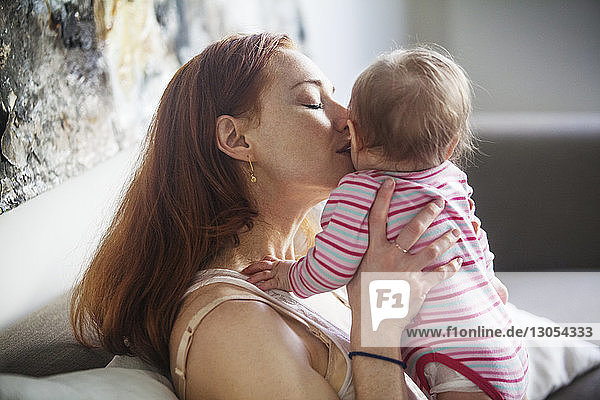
[551,367]
[92,384]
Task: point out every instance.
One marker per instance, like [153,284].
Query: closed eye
[314,106]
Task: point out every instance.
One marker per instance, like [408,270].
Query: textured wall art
[80,79]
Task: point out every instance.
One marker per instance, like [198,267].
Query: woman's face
[302,140]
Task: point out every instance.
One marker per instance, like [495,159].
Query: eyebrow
[317,82]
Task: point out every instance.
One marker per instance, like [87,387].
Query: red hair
[186,203]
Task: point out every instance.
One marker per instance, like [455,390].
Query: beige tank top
[332,336]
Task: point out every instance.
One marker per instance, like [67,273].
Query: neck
[272,234]
[371,159]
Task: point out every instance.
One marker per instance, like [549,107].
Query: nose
[339,117]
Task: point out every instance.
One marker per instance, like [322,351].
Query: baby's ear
[354,137]
[451,148]
[351,128]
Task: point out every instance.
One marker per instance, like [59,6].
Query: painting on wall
[80,79]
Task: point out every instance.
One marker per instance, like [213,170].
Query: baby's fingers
[261,276]
[257,267]
[267,285]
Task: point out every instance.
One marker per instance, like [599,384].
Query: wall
[343,37]
[46,240]
[530,56]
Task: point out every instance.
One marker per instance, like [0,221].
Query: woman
[246,139]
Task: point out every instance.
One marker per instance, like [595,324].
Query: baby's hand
[270,273]
[501,289]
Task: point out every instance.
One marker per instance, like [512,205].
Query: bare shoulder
[245,349]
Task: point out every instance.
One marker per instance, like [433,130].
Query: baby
[408,116]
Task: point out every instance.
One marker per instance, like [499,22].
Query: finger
[269,258]
[437,248]
[261,276]
[379,212]
[443,272]
[256,267]
[412,231]
[266,285]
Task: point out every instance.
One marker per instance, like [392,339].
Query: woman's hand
[385,256]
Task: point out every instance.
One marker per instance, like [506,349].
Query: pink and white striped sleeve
[339,248]
[481,236]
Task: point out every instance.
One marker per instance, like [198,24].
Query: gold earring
[252,177]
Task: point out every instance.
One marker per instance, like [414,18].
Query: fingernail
[388,182]
[459,261]
[440,203]
[456,232]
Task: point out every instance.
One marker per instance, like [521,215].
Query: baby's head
[410,110]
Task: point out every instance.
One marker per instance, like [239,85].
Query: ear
[354,138]
[230,137]
[451,148]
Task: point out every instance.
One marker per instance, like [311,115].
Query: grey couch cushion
[43,344]
[537,197]
[583,387]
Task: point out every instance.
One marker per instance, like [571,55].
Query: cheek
[301,149]
[301,142]
[308,164]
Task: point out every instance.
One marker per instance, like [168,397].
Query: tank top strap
[186,339]
[257,295]
[280,299]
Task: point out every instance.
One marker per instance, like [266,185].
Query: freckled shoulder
[194,302]
[242,343]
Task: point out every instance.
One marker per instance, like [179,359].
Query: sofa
[537,196]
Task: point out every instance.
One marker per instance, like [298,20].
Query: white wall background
[46,240]
[343,37]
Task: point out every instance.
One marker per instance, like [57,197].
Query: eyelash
[314,106]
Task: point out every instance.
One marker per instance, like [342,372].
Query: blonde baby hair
[413,105]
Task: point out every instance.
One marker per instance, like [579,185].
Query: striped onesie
[466,300]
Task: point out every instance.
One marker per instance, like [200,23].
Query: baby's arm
[338,249]
[488,255]
[340,246]
[500,289]
[270,273]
